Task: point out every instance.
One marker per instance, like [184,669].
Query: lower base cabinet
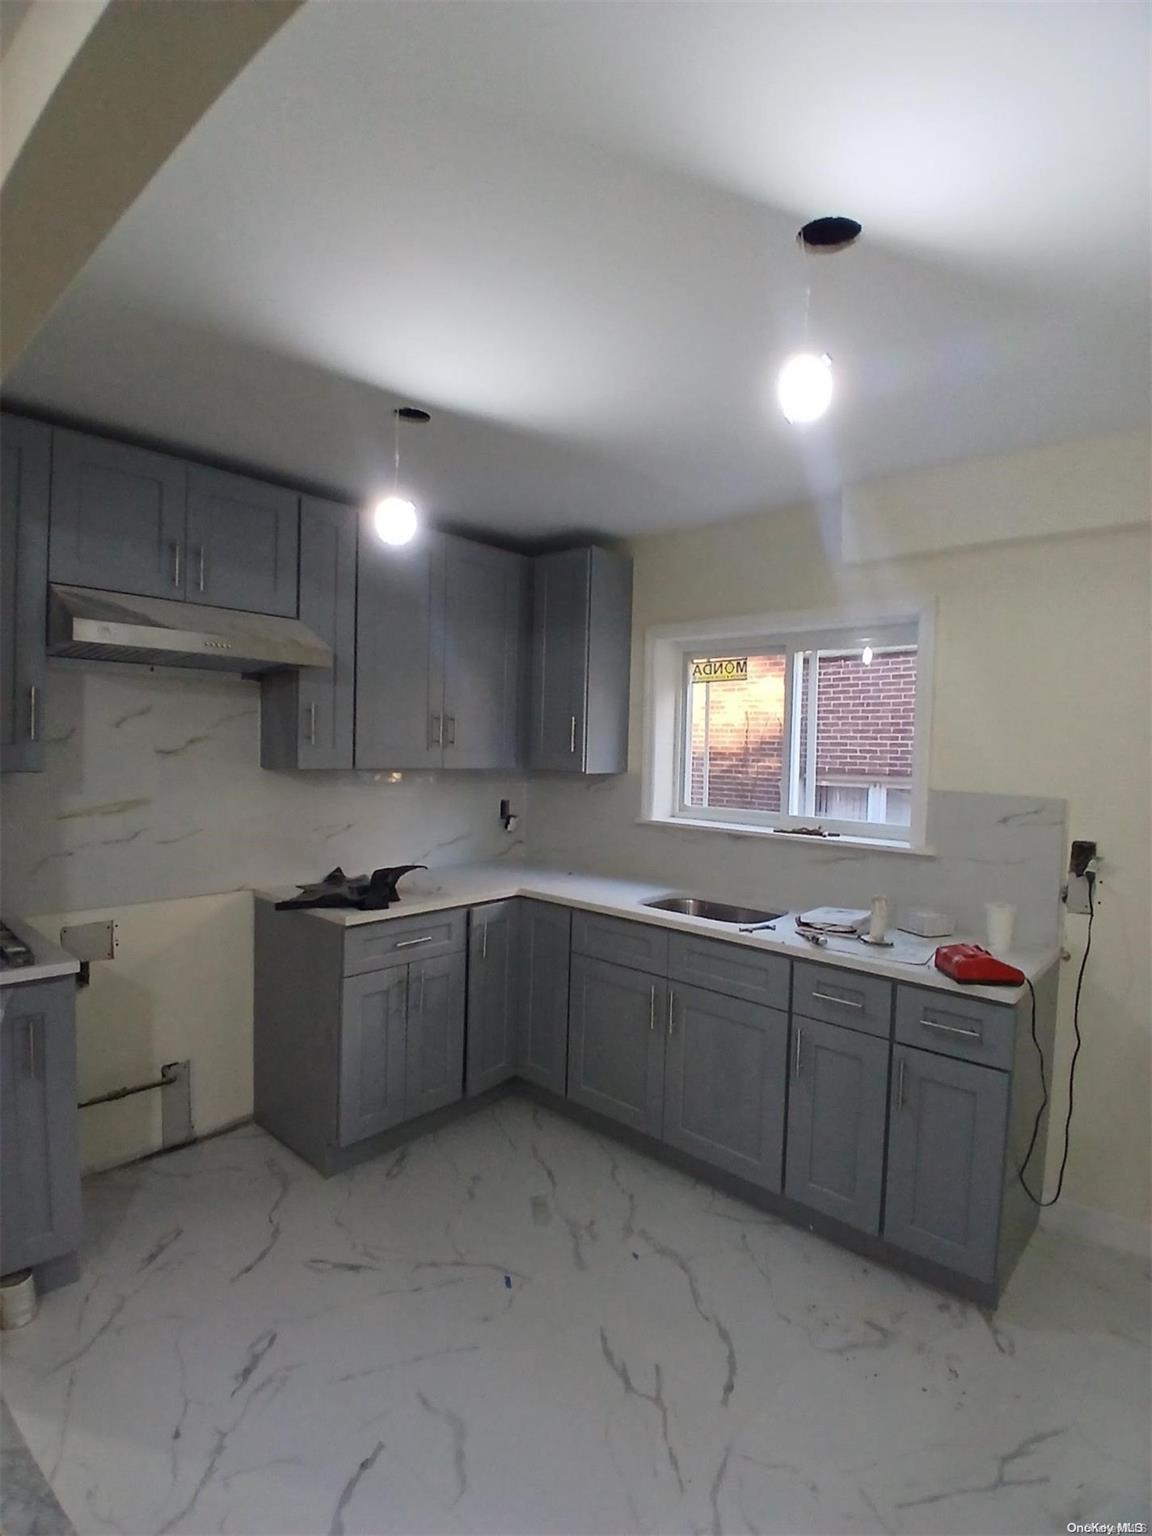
[725,1072]
[372,1050]
[542,1014]
[39,1137]
[494,946]
[837,1101]
[434,1060]
[946,1142]
[616,1034]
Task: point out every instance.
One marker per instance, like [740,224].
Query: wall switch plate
[1079,893]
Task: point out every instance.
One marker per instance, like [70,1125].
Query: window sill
[738,829]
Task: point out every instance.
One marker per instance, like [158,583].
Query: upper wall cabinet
[24,467]
[130,520]
[438,654]
[306,716]
[118,516]
[581,660]
[242,543]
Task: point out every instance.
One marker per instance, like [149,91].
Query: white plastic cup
[1001,916]
[17,1299]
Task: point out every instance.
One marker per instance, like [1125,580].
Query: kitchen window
[791,728]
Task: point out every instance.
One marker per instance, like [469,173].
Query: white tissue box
[928,925]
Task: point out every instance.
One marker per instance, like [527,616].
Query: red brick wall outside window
[865,729]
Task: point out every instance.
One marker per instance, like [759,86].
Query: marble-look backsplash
[987,848]
[153,789]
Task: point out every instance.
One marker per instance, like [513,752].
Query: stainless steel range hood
[154,631]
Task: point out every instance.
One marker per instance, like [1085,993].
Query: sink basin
[715,911]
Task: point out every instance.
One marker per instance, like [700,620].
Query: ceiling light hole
[821,237]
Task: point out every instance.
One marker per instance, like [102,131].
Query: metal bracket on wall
[175,1084]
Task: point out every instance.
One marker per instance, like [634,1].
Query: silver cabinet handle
[175,548]
[437,730]
[200,567]
[450,722]
[33,713]
[671,1014]
[841,1002]
[484,944]
[953,1029]
[799,1042]
[900,1084]
[408,943]
[572,735]
[312,725]
[30,1027]
[652,1008]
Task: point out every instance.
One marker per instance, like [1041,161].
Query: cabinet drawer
[956,1026]
[842,997]
[396,941]
[733,969]
[616,939]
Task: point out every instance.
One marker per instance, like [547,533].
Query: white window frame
[664,768]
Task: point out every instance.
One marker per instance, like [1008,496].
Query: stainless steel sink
[715,911]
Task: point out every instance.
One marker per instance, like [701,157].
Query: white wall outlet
[1079,893]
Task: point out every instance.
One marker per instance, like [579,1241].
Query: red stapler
[972,963]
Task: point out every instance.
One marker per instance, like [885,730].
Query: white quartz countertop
[51,960]
[470,885]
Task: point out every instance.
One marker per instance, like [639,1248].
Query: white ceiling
[567,229]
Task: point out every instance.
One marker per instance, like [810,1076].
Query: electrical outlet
[1079,893]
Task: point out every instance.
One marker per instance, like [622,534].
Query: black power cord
[1035,1199]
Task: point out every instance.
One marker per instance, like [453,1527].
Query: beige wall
[1041,688]
[179,989]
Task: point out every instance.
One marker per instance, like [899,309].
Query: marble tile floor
[515,1325]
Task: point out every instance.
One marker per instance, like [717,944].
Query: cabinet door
[542,1022]
[372,1058]
[493,995]
[484,605]
[118,517]
[23,591]
[306,716]
[946,1160]
[836,1107]
[436,1000]
[243,542]
[39,1142]
[618,1023]
[559,660]
[725,1075]
[399,653]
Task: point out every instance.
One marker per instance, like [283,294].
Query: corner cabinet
[493,994]
[307,716]
[439,641]
[581,661]
[24,479]
[40,1216]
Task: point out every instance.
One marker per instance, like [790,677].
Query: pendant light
[394,517]
[805,383]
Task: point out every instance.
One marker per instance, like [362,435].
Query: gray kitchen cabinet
[617,1024]
[542,1014]
[836,1109]
[40,1215]
[434,1074]
[493,995]
[581,661]
[725,1078]
[307,715]
[485,596]
[118,516]
[946,1141]
[373,1054]
[24,480]
[439,635]
[242,542]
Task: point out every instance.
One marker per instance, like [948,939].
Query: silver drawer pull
[652,1008]
[572,735]
[900,1084]
[484,943]
[799,1043]
[175,548]
[953,1029]
[408,943]
[200,571]
[841,1002]
[311,725]
[671,1006]
[33,713]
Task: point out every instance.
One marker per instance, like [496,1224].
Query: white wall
[1041,688]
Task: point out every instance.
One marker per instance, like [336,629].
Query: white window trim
[664,695]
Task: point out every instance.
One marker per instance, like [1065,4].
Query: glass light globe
[804,387]
[395,520]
